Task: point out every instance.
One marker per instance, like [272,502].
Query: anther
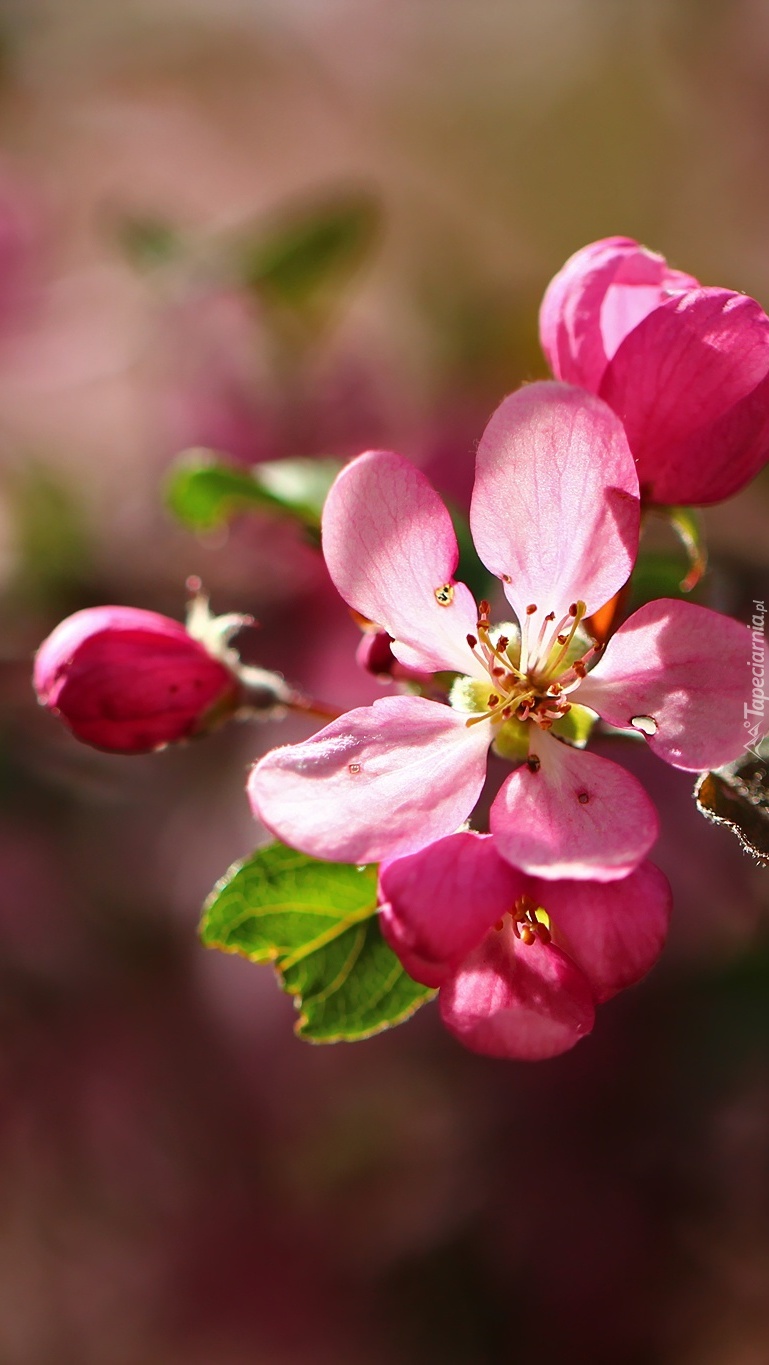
[506,578]
[471,640]
[484,608]
[573,609]
[533,763]
[502,643]
[530,610]
[444,595]
[562,639]
[579,668]
[493,700]
[353,768]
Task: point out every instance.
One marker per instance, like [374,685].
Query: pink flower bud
[131,681]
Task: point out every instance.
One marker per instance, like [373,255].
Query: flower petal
[382,781]
[555,509]
[438,904]
[510,999]
[691,384]
[613,931]
[684,673]
[391,551]
[600,295]
[578,815]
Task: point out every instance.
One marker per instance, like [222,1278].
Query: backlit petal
[555,509]
[391,551]
[684,673]
[381,781]
[577,816]
[509,999]
[613,931]
[691,384]
[438,904]
[601,294]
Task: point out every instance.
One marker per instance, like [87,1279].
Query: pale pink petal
[577,815]
[555,509]
[391,551]
[691,384]
[601,294]
[509,999]
[613,931]
[439,903]
[683,674]
[382,781]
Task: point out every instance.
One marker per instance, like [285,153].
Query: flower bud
[131,681]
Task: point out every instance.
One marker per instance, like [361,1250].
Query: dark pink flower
[521,962]
[132,681]
[555,515]
[685,367]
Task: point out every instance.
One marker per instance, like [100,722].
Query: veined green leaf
[317,923]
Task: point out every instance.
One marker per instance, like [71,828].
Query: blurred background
[181,1180]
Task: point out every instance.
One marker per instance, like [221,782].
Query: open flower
[685,367]
[555,516]
[521,963]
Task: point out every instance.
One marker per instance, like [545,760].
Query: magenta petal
[439,903]
[600,295]
[555,509]
[691,384]
[382,781]
[683,673]
[131,681]
[577,815]
[391,551]
[613,931]
[509,999]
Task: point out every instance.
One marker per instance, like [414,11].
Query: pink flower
[521,963]
[685,367]
[132,681]
[555,516]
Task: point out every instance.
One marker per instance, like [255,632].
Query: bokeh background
[181,1180]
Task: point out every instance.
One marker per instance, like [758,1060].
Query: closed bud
[131,681]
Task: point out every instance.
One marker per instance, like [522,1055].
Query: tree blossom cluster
[660,397]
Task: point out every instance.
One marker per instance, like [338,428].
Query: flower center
[530,677]
[531,922]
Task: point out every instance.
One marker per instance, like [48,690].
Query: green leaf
[303,261]
[737,796]
[204,492]
[317,923]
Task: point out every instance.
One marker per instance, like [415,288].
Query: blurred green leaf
[52,544]
[657,574]
[204,492]
[689,527]
[146,241]
[737,796]
[303,261]
[317,923]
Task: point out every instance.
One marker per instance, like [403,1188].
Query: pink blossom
[555,516]
[131,681]
[521,962]
[685,367]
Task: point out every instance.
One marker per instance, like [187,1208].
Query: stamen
[577,610]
